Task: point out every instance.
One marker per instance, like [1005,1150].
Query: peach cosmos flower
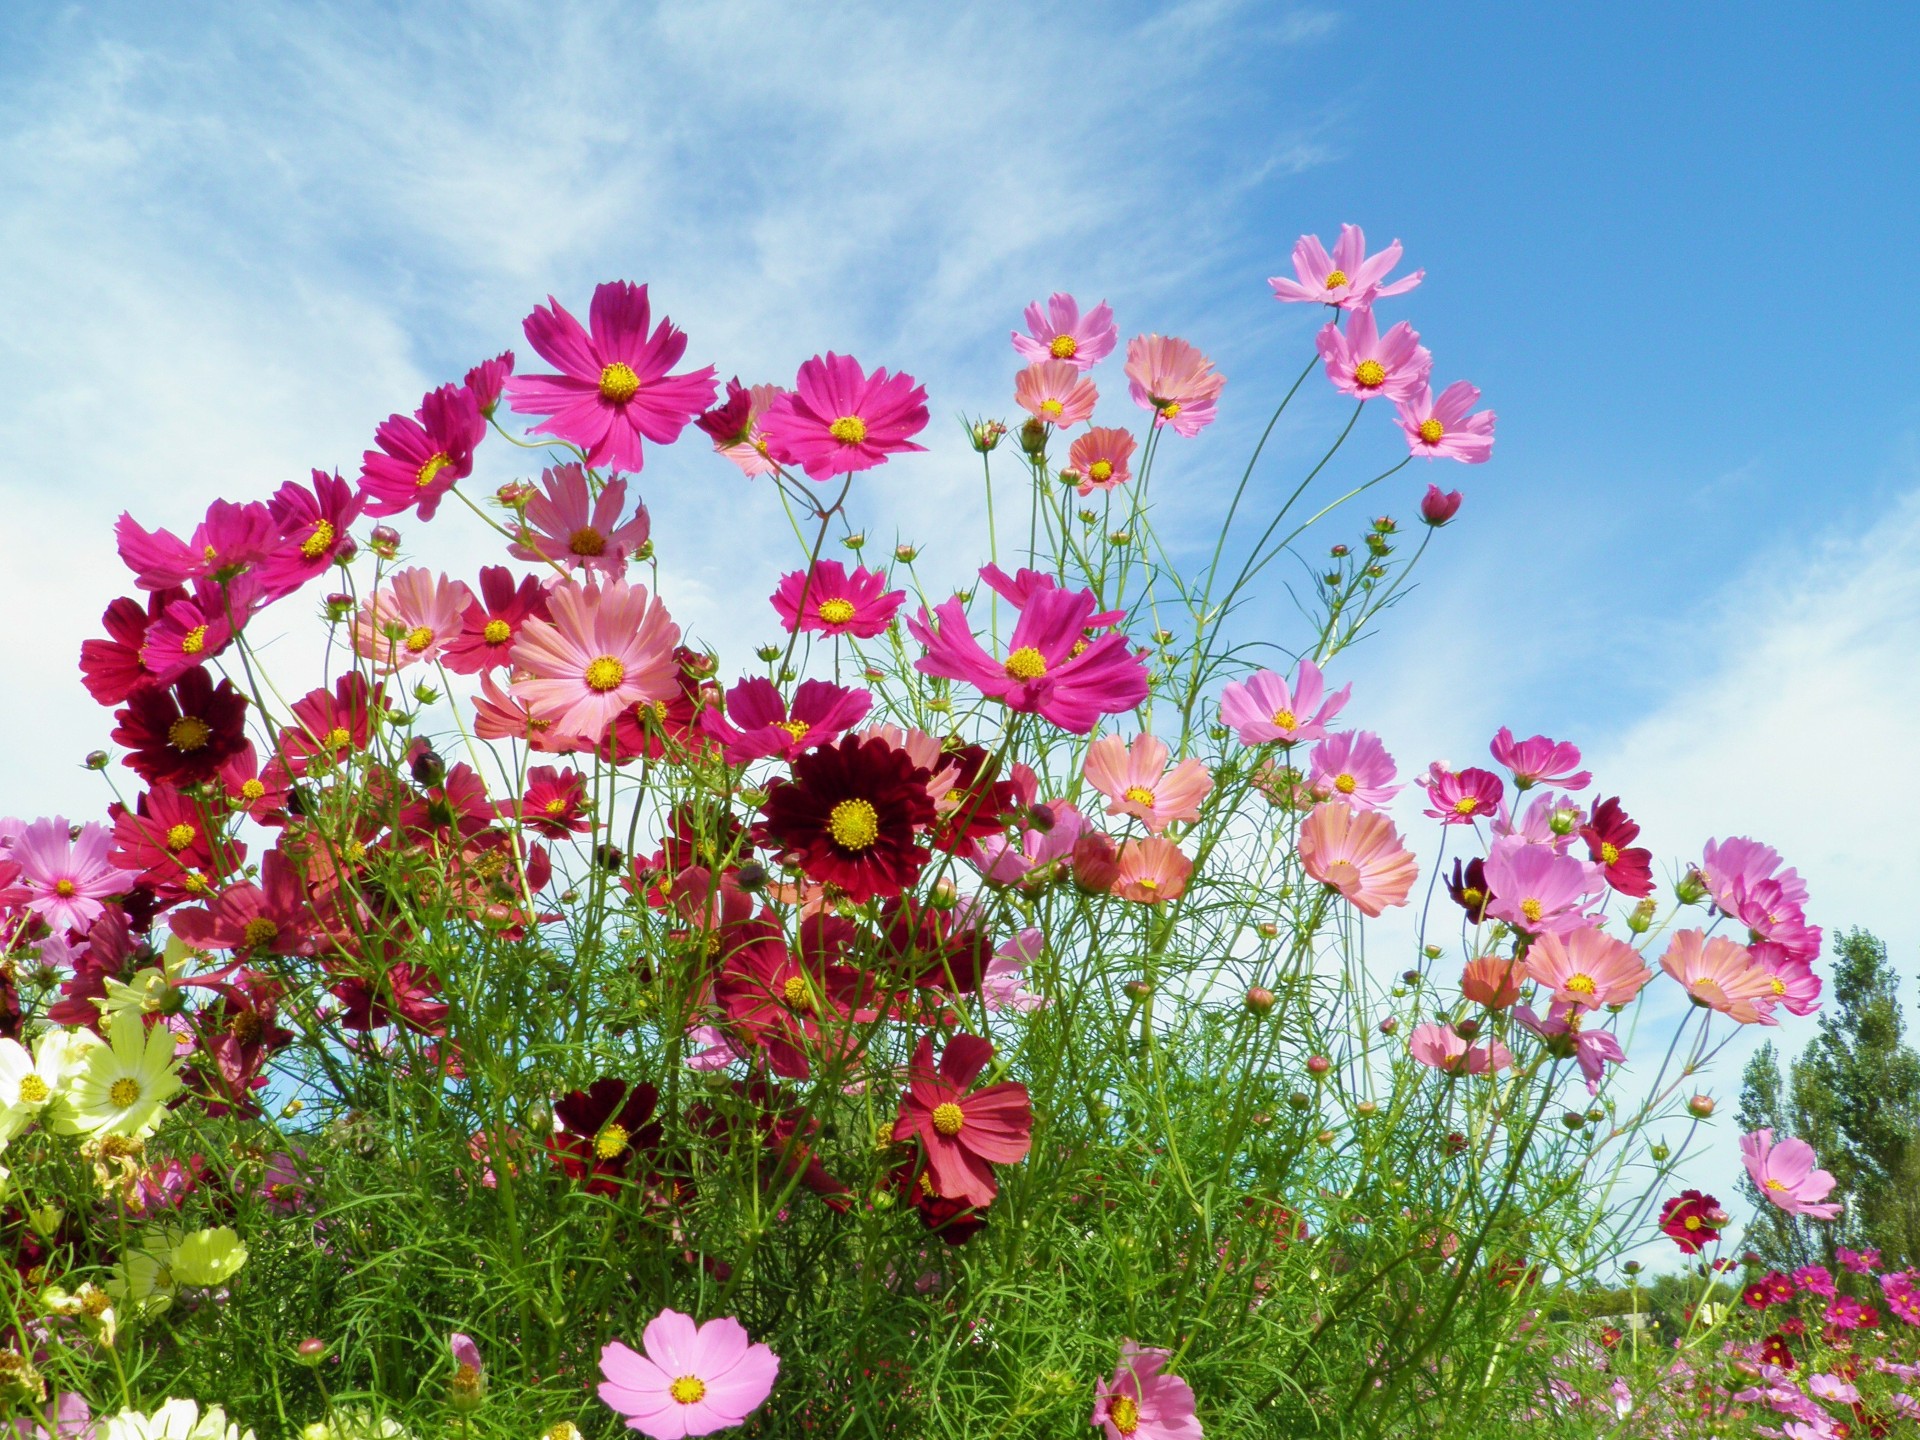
[410,619]
[1587,968]
[1134,776]
[1152,871]
[1359,854]
[1173,380]
[1056,392]
[1098,459]
[1721,975]
[607,647]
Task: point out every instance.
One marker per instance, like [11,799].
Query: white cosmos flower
[175,1420]
[119,1086]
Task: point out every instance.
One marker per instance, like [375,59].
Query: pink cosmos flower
[487,380]
[1565,1034]
[1348,278]
[501,715]
[607,647]
[692,1380]
[1135,778]
[1002,985]
[758,723]
[839,419]
[613,389]
[1152,871]
[736,429]
[1784,1173]
[1554,822]
[313,530]
[231,539]
[567,525]
[1359,854]
[469,1383]
[1902,1296]
[191,632]
[1265,710]
[410,619]
[1587,968]
[1354,767]
[1363,363]
[1002,862]
[1099,459]
[1140,1402]
[1061,332]
[67,879]
[1460,798]
[1539,761]
[1019,588]
[1721,975]
[1173,380]
[963,1132]
[1443,1048]
[830,601]
[1443,427]
[1055,391]
[1050,669]
[491,624]
[1795,986]
[421,457]
[1536,890]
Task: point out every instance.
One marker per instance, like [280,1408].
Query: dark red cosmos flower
[1469,888]
[1610,835]
[1692,1220]
[556,802]
[849,816]
[695,838]
[406,995]
[726,423]
[601,1129]
[330,725]
[931,948]
[1775,1351]
[184,733]
[971,802]
[492,622]
[1611,1335]
[954,1221]
[963,1135]
[271,918]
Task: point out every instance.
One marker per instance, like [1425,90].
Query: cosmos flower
[1056,392]
[849,815]
[1539,761]
[736,429]
[1174,381]
[1359,854]
[1264,709]
[829,600]
[491,622]
[1610,834]
[422,456]
[1784,1173]
[1365,364]
[67,880]
[1151,871]
[1099,459]
[691,1380]
[1136,780]
[1445,1049]
[1139,1401]
[410,619]
[1692,1220]
[1443,427]
[758,723]
[313,530]
[599,1130]
[566,524]
[1721,975]
[838,419]
[1460,797]
[607,647]
[1354,767]
[964,1135]
[182,734]
[1348,278]
[1587,968]
[1536,890]
[1061,332]
[555,802]
[488,380]
[119,1085]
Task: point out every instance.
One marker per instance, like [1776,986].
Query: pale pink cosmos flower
[410,619]
[1347,278]
[1587,968]
[1152,871]
[1365,364]
[1358,853]
[1061,332]
[1536,890]
[1354,767]
[692,1380]
[1539,761]
[68,879]
[1002,862]
[1443,427]
[607,647]
[1264,709]
[1548,820]
[1141,1402]
[1721,975]
[1055,391]
[1003,984]
[1173,380]
[1443,1048]
[1565,1033]
[1098,459]
[1133,775]
[567,525]
[1784,1173]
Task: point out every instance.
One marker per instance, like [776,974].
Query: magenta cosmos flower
[964,1135]
[1348,278]
[1784,1173]
[692,1380]
[1061,332]
[1051,668]
[422,456]
[1538,891]
[607,647]
[1460,797]
[566,524]
[1443,427]
[1098,459]
[1539,761]
[1365,364]
[831,601]
[1134,777]
[68,879]
[1056,392]
[1140,1402]
[758,723]
[613,389]
[839,419]
[1721,975]
[1173,380]
[1353,767]
[1359,854]
[1264,709]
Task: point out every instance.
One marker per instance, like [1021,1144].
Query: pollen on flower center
[194,641]
[189,732]
[65,889]
[688,1390]
[1064,347]
[1138,795]
[436,462]
[498,632]
[836,611]
[251,790]
[259,931]
[1170,409]
[796,728]
[1345,784]
[1466,805]
[1335,279]
[1026,663]
[1124,1412]
[1431,430]
[853,824]
[796,993]
[1581,984]
[33,1090]
[1369,374]
[1773,1184]
[849,430]
[1609,853]
[618,383]
[948,1118]
[1531,908]
[1052,408]
[587,541]
[179,837]
[419,638]
[1779,985]
[1692,1222]
[124,1092]
[320,541]
[338,738]
[1100,470]
[1286,720]
[611,1140]
[605,674]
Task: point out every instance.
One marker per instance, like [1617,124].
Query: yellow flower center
[1345,784]
[194,641]
[796,728]
[605,674]
[1138,795]
[320,541]
[419,638]
[1369,374]
[556,807]
[65,889]
[587,541]
[1465,805]
[1051,408]
[436,462]
[1581,984]
[948,1118]
[853,824]
[1286,720]
[339,738]
[1101,470]
[618,383]
[849,430]
[1169,409]
[251,790]
[123,1093]
[1026,663]
[836,611]
[189,732]
[1773,1184]
[688,1390]
[179,837]
[611,1141]
[498,632]
[259,931]
[1122,1410]
[1335,279]
[1431,430]
[796,993]
[1531,908]
[1692,1222]
[33,1090]
[1779,985]
[1609,852]
[1064,347]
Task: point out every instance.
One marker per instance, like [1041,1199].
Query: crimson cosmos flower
[604,1125]
[964,1135]
[1692,1220]
[1610,835]
[182,734]
[849,815]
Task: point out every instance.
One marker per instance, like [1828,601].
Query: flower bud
[1691,888]
[768,653]
[1377,546]
[384,541]
[986,435]
[311,1351]
[426,694]
[1120,537]
[1659,1152]
[1384,525]
[1389,1025]
[1325,1137]
[97,759]
[1700,1107]
[1268,930]
[1439,506]
[609,857]
[1632,1267]
[905,554]
[1467,1029]
[1454,1143]
[1299,1100]
[514,495]
[751,877]
[1033,438]
[567,1430]
[1089,517]
[1096,864]
[1259,999]
[1138,989]
[855,540]
[1640,918]
[426,766]
[1366,1109]
[1340,552]
[1573,1120]
[346,552]
[1318,1065]
[944,895]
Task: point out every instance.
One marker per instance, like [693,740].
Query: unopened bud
[384,541]
[311,1351]
[1377,546]
[986,435]
[1439,506]
[1138,989]
[1299,1100]
[339,607]
[1691,888]
[1700,1107]
[1640,918]
[1120,537]
[97,759]
[609,857]
[768,653]
[855,540]
[1318,1065]
[1340,552]
[905,554]
[1268,930]
[1325,1137]
[426,767]
[1659,1152]
[1259,999]
[1384,525]
[1033,438]
[751,877]
[514,495]
[944,895]
[1632,1267]
[1389,1025]
[1366,1109]
[1573,1120]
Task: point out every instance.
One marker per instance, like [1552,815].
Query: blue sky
[1671,244]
